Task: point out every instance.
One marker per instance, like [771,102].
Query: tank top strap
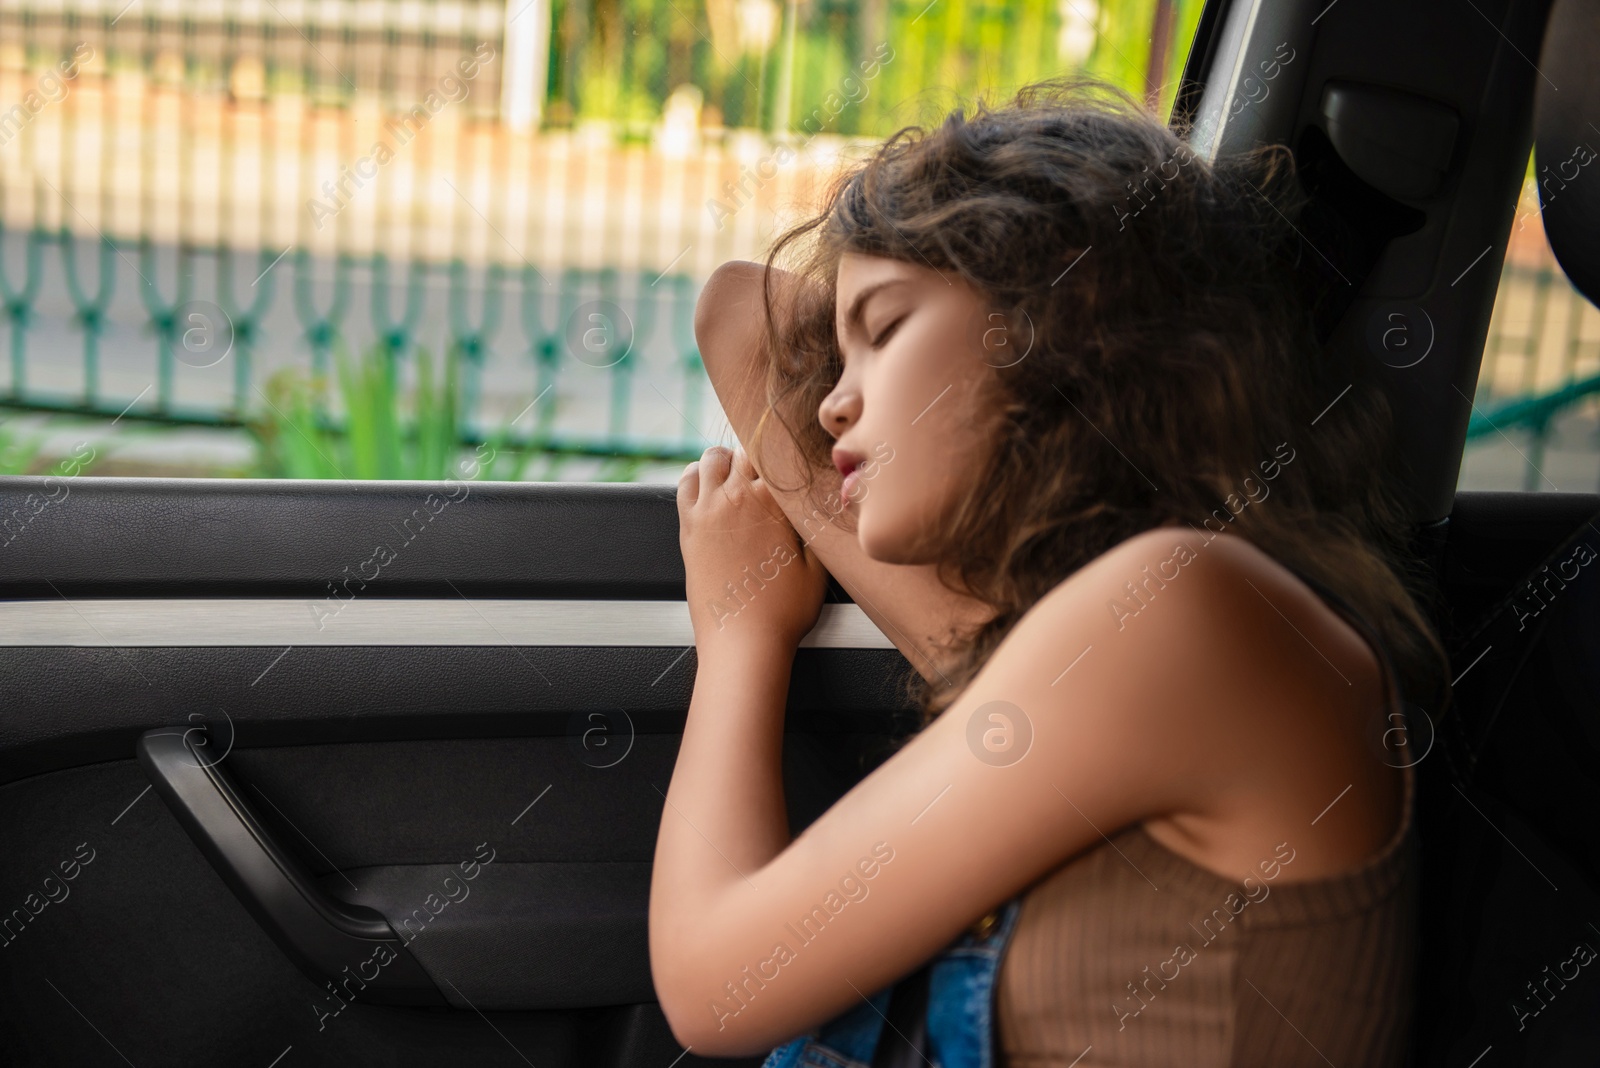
[1396,704]
[1348,612]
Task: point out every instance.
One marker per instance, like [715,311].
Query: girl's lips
[847,488]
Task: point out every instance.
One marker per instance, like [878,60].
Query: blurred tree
[769,64]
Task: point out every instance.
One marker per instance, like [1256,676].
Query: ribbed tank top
[1104,971]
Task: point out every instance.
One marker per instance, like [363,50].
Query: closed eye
[883,335]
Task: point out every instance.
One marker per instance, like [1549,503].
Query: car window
[409,240]
[1534,423]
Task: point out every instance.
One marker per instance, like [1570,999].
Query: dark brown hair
[1172,356]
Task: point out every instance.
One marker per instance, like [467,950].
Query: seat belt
[1494,653]
[904,1042]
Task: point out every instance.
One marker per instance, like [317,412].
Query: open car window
[1534,425]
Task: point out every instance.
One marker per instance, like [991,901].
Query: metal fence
[1536,415]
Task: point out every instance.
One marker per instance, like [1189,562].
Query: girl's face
[914,413]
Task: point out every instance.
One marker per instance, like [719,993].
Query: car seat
[1509,972]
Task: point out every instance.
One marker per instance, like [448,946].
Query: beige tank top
[1130,956]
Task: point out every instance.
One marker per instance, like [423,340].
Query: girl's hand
[749,578]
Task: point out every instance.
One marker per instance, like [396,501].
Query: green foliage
[23,454]
[619,469]
[383,436]
[17,452]
[1123,45]
[619,59]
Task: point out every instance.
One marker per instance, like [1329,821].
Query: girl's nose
[838,411]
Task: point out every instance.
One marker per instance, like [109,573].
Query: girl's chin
[886,547]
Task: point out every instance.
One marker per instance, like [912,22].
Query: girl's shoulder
[1222,586]
[1241,683]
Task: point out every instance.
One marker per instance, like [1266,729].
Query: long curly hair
[1172,359]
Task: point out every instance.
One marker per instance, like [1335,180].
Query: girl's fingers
[731,471]
[715,464]
[689,485]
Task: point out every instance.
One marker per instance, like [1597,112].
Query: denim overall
[959,1016]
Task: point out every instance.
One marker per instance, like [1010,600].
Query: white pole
[524,63]
[781,107]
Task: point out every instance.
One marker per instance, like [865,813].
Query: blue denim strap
[960,1011]
[846,1041]
[961,996]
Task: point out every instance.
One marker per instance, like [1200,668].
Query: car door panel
[385,771]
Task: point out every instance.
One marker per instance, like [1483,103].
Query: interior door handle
[350,948]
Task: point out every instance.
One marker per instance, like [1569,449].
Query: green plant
[17,453]
[619,469]
[22,454]
[382,436]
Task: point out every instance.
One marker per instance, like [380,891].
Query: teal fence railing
[1541,370]
[639,353]
[593,361]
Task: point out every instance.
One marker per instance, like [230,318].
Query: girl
[1044,394]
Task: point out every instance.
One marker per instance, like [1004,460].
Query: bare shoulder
[1161,606]
[1186,573]
[1160,630]
[1249,687]
[1220,590]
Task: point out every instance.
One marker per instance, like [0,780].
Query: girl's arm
[908,603]
[1205,707]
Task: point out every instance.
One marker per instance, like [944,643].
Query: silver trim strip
[1211,122]
[380,621]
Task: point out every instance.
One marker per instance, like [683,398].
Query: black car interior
[424,829]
